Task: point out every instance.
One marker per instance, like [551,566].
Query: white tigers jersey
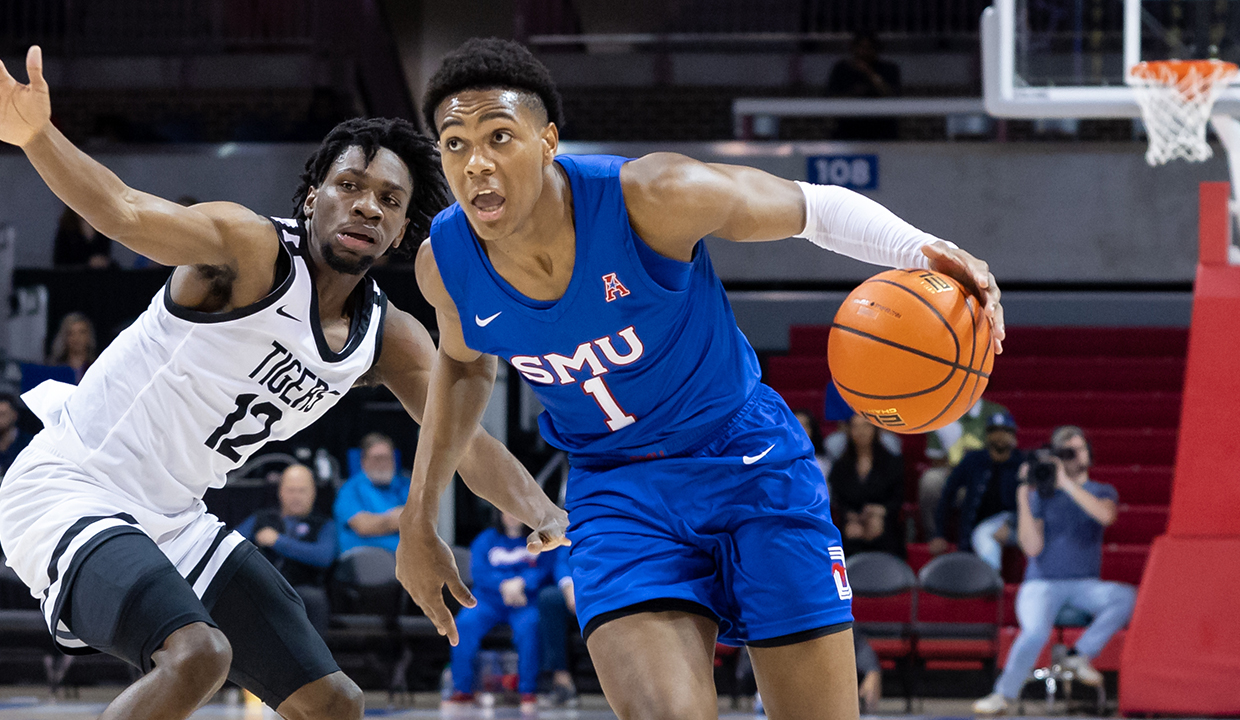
[182,397]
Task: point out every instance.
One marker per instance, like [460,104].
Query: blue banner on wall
[855,172]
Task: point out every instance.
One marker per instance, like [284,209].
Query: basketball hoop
[1176,97]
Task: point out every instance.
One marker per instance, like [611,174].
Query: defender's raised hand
[24,109]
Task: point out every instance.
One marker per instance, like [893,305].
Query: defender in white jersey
[263,326]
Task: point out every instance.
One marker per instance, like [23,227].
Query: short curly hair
[484,63]
[419,153]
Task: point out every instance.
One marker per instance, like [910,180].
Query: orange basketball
[910,350]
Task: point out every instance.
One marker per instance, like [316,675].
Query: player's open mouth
[355,240]
[490,205]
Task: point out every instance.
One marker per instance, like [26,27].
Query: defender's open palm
[24,109]
[424,564]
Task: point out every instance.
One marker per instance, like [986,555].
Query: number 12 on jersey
[227,446]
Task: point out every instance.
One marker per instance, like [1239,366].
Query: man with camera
[1061,514]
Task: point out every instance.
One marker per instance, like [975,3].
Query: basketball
[910,350]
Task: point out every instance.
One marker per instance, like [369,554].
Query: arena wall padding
[1182,654]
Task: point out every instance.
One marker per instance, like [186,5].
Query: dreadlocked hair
[485,63]
[419,153]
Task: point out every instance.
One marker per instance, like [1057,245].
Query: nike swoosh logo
[280,311]
[483,322]
[751,459]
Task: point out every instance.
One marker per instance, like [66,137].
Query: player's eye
[502,136]
[452,144]
[347,185]
[391,201]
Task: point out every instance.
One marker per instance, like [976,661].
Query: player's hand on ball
[976,277]
[424,564]
[550,533]
[24,109]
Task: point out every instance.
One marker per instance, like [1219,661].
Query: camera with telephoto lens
[1042,468]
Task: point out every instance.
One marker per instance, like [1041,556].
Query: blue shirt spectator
[369,504]
[1073,545]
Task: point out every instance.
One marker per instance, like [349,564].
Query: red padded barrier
[919,554]
[1092,409]
[1138,374]
[1182,653]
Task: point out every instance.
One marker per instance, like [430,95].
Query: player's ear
[307,206]
[550,137]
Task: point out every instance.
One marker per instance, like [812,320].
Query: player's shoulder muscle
[673,200]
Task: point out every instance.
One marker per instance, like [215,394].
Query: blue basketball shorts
[739,530]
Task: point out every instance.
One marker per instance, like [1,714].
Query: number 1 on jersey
[616,416]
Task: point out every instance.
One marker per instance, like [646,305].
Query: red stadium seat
[1092,409]
[1077,374]
[1137,484]
[797,372]
[919,554]
[1114,446]
[808,340]
[1095,341]
[959,611]
[1124,563]
[811,401]
[1137,524]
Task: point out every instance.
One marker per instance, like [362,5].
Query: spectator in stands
[863,74]
[869,673]
[989,478]
[12,438]
[369,504]
[506,577]
[555,605]
[867,490]
[944,449]
[299,543]
[74,344]
[810,424]
[79,245]
[1060,530]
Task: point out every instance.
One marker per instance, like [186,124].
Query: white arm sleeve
[851,224]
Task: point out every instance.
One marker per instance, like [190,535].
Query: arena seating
[1122,385]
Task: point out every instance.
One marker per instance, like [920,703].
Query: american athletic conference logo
[839,572]
[613,287]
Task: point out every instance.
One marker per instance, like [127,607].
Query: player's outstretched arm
[209,234]
[674,201]
[488,469]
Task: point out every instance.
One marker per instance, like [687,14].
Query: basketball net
[1176,97]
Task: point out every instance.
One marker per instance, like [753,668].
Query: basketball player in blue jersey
[263,325]
[696,505]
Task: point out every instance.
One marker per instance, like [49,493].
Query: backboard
[1070,58]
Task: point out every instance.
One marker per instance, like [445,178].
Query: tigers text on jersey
[640,357]
[181,397]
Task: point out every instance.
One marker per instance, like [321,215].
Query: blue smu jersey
[627,366]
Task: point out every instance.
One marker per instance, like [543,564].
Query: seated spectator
[369,504]
[837,410]
[867,490]
[869,673]
[555,604]
[1060,529]
[863,74]
[78,245]
[74,344]
[506,577]
[810,425]
[944,448]
[298,542]
[989,478]
[12,438]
